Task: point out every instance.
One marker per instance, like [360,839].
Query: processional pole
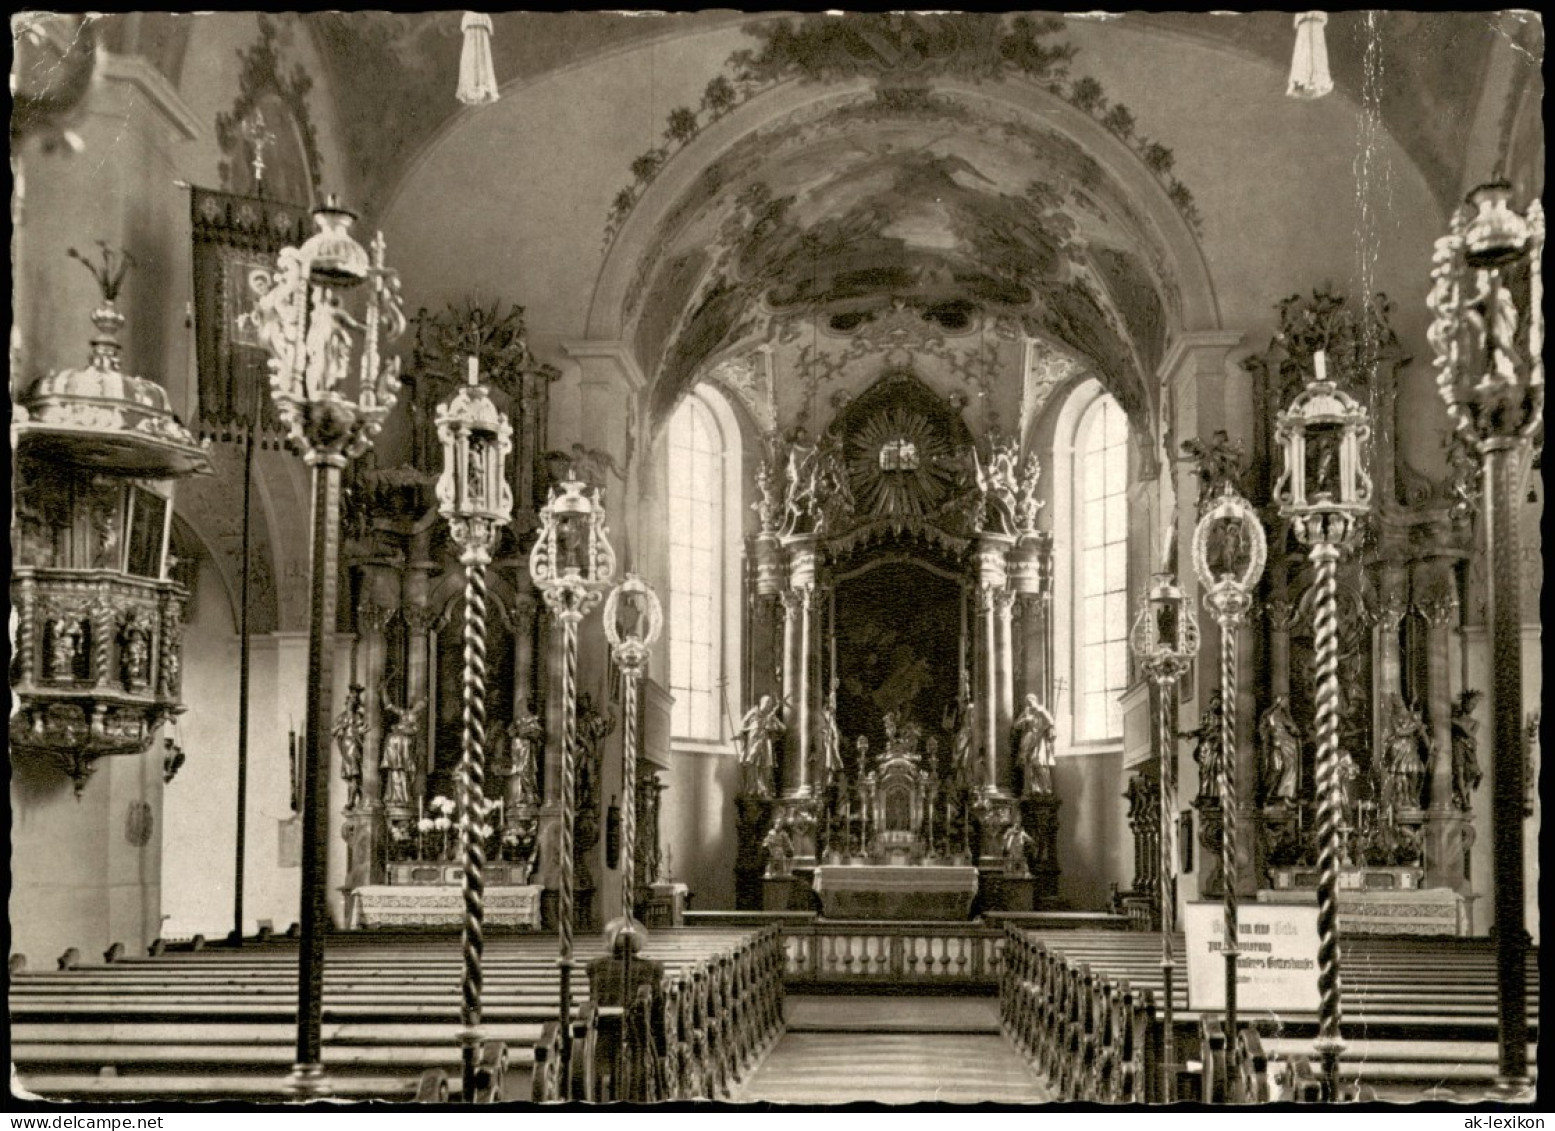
[633,620]
[304,322]
[1324,497]
[1229,550]
[474,496]
[571,563]
[1165,638]
[1488,337]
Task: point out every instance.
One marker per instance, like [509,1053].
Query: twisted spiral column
[629,797]
[26,625]
[564,895]
[1228,811]
[472,812]
[1168,896]
[1325,557]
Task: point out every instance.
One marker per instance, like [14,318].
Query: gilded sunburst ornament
[899,465]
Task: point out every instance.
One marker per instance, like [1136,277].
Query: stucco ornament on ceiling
[902,52]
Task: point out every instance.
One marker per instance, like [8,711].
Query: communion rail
[886,954]
[1420,1017]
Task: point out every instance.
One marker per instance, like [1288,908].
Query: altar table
[435,905]
[896,891]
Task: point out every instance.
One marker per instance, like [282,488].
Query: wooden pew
[1082,1005]
[217,1023]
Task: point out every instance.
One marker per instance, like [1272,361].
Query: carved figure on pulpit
[1034,737]
[1281,754]
[525,735]
[65,646]
[134,653]
[350,734]
[831,739]
[1406,752]
[398,759]
[1466,774]
[758,730]
[1208,750]
[779,848]
[1016,845]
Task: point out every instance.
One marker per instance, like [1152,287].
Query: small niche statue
[1016,844]
[1281,754]
[1466,774]
[1034,737]
[134,653]
[350,733]
[779,847]
[755,744]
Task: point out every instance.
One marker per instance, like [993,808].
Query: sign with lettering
[1276,964]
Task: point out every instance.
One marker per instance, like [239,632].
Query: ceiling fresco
[937,218]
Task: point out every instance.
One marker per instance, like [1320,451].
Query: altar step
[840,1049]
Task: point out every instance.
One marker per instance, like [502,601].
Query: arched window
[703,522]
[1100,543]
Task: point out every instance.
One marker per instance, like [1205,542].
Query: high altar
[902,611]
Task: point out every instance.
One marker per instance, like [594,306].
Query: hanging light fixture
[477,77]
[1309,76]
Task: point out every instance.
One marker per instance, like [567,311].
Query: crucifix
[259,139]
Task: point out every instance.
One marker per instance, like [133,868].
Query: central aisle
[893,1050]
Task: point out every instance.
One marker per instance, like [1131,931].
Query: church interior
[596,556]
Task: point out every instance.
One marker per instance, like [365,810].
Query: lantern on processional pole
[1229,550]
[1488,336]
[328,298]
[1165,638]
[633,620]
[571,563]
[474,496]
[1324,490]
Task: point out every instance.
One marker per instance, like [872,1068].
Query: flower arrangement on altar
[436,827]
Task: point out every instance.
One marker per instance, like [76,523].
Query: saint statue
[800,480]
[350,733]
[1466,774]
[1348,774]
[1208,752]
[755,745]
[831,739]
[525,735]
[1406,751]
[1281,754]
[398,760]
[1034,736]
[65,647]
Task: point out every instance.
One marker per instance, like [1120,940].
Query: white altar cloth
[896,891]
[415,905]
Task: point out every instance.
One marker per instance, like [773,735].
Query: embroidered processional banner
[236,239]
